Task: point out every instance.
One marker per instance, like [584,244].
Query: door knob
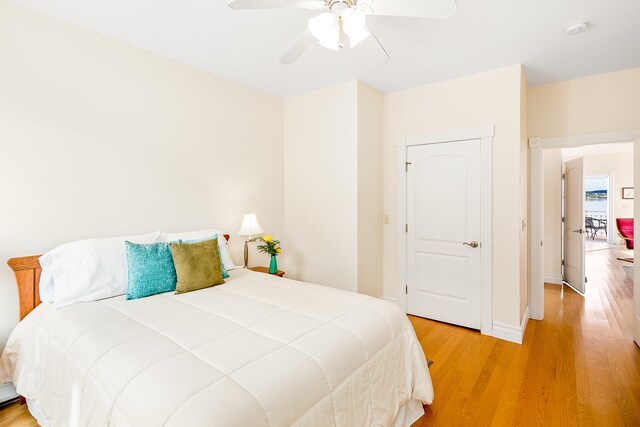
[473,244]
[578,231]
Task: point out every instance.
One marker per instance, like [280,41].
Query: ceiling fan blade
[277,4]
[441,9]
[298,48]
[372,51]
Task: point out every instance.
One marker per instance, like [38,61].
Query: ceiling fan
[343,22]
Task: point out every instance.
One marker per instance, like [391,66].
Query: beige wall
[552,215]
[618,166]
[369,191]
[491,98]
[603,103]
[321,204]
[98,138]
[333,187]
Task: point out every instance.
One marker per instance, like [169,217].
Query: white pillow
[45,286]
[89,270]
[203,234]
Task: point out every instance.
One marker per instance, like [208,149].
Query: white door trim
[536,238]
[591,139]
[485,135]
[536,246]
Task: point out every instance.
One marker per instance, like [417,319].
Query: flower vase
[273,267]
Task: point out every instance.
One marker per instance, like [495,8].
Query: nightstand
[280,273]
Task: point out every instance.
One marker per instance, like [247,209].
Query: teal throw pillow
[151,269]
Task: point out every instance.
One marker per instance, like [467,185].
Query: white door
[444,220]
[574,224]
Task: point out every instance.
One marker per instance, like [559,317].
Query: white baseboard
[512,333]
[554,279]
[391,299]
[7,392]
[507,332]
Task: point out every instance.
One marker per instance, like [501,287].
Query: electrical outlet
[386,219]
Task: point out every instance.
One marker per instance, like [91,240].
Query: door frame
[536,242]
[485,137]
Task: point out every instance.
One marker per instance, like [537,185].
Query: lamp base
[246,253]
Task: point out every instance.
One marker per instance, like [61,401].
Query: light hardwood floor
[578,367]
[16,415]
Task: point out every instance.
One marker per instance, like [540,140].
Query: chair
[590,228]
[625,230]
[596,226]
[602,223]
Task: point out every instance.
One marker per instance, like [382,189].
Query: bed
[259,350]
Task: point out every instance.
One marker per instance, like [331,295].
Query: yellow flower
[278,250]
[267,238]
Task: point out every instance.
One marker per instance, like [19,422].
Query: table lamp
[250,227]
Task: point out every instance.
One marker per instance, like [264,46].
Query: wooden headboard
[27,270]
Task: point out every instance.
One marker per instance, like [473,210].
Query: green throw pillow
[197,265]
[225,275]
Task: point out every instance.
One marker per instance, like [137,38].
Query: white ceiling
[244,46]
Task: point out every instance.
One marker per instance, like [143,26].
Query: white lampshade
[250,225]
[326,28]
[354,24]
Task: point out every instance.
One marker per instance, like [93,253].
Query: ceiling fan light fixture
[326,28]
[344,22]
[354,24]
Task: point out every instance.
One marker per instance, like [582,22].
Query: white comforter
[257,351]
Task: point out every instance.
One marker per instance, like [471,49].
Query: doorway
[446,249]
[593,178]
[539,245]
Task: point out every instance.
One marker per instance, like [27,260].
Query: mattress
[259,350]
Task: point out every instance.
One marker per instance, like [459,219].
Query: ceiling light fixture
[354,25]
[576,27]
[342,18]
[326,28]
[344,22]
